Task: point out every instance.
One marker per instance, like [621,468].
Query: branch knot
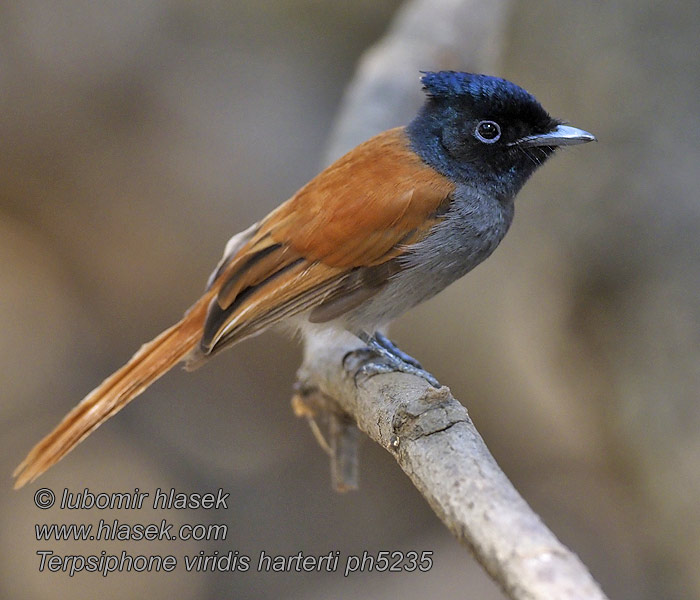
[434,411]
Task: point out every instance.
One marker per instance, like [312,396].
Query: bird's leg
[382,356]
[386,343]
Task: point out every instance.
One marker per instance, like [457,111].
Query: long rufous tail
[151,361]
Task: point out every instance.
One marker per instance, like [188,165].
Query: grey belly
[461,241]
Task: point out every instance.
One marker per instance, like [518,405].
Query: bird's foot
[382,356]
[387,344]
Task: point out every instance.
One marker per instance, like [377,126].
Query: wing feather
[362,212]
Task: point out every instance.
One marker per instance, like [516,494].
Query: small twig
[345,444]
[341,441]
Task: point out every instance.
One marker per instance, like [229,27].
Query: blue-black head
[484,130]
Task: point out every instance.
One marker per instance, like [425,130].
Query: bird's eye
[487,132]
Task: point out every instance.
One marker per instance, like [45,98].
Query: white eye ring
[488,132]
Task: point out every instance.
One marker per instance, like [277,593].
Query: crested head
[471,128]
[486,95]
[456,84]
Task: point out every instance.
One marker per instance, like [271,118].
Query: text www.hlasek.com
[116,531]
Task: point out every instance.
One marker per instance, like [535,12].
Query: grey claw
[430,378]
[382,356]
[370,369]
[358,356]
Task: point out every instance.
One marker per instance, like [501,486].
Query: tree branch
[435,442]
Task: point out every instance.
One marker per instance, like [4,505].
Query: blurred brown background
[136,137]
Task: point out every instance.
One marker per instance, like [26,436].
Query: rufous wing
[334,242]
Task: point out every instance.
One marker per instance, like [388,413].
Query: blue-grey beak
[561,135]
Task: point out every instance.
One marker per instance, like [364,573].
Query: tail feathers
[151,361]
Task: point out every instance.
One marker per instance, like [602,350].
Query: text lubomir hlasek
[161,500]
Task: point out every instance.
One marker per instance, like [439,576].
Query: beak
[561,135]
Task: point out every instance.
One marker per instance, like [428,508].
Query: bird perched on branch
[387,226]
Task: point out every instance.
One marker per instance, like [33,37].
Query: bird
[384,228]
